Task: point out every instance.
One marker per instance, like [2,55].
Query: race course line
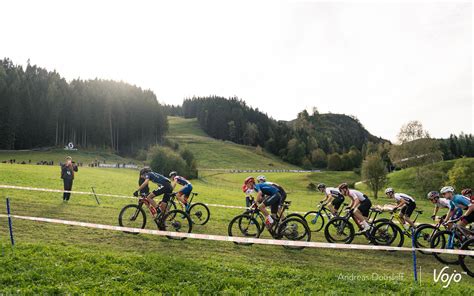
[237,239]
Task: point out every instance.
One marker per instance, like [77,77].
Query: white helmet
[446,189]
[261,179]
[389,190]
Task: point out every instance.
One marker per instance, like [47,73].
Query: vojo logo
[445,278]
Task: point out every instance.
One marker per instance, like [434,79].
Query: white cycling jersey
[408,199]
[443,203]
[334,192]
[354,194]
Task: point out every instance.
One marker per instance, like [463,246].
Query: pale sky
[386,62]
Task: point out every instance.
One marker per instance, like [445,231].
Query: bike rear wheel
[339,230]
[315,220]
[467,262]
[132,216]
[244,225]
[295,229]
[385,233]
[441,240]
[199,213]
[175,221]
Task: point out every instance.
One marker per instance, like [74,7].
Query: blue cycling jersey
[157,178]
[459,201]
[181,181]
[265,188]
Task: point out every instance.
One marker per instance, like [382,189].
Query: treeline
[40,108]
[457,146]
[312,141]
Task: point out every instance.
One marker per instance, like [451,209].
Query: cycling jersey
[443,203]
[181,181]
[157,178]
[334,192]
[354,194]
[408,199]
[266,188]
[459,201]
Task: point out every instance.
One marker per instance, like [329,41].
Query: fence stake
[93,191]
[10,222]
[414,255]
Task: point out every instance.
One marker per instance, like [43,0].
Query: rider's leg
[150,197]
[406,213]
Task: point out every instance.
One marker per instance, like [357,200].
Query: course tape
[237,239]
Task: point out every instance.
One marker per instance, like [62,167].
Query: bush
[163,160]
[462,174]
[335,162]
[312,187]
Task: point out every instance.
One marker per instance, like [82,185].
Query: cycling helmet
[261,179]
[173,173]
[432,195]
[389,190]
[343,186]
[446,189]
[466,191]
[145,170]
[321,185]
[249,179]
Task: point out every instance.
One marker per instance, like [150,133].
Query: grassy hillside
[63,259]
[212,153]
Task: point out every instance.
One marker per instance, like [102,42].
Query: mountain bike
[292,227]
[341,230]
[134,216]
[467,262]
[450,239]
[198,212]
[315,219]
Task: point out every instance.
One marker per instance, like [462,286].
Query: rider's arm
[144,184]
[436,209]
[173,184]
[450,212]
[355,203]
[470,209]
[327,198]
[400,204]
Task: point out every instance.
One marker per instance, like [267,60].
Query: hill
[217,154]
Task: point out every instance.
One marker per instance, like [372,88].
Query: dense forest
[39,108]
[457,146]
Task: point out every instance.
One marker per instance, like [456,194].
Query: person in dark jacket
[67,174]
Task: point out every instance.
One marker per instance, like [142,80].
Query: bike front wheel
[175,221]
[339,230]
[132,216]
[199,213]
[423,236]
[385,233]
[244,226]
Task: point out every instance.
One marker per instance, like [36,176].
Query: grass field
[217,154]
[56,259]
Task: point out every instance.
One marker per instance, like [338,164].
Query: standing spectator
[67,174]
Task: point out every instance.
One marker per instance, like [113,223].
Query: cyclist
[440,202]
[262,179]
[248,195]
[404,201]
[458,201]
[184,193]
[267,195]
[333,198]
[165,189]
[360,205]
[468,193]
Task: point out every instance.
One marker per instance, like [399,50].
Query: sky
[385,62]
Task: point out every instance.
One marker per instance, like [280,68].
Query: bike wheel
[423,235]
[445,240]
[384,233]
[175,221]
[467,262]
[199,213]
[244,226]
[132,216]
[339,230]
[295,229]
[315,220]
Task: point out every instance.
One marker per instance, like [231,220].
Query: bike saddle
[287,202]
[195,193]
[419,211]
[376,210]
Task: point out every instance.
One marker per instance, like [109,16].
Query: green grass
[56,259]
[216,154]
[59,155]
